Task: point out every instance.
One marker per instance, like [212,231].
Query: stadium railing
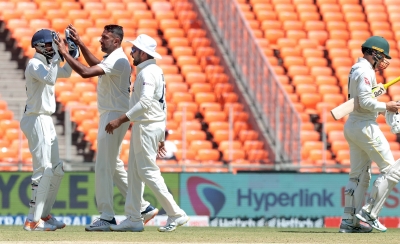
[271,104]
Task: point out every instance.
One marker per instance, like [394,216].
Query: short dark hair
[366,50]
[116,30]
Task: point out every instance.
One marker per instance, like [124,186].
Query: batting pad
[41,193]
[54,187]
[381,189]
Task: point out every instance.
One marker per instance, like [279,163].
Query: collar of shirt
[363,60]
[115,52]
[144,64]
[41,57]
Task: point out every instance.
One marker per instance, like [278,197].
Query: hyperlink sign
[75,198]
[268,195]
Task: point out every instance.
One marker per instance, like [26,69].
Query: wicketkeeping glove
[57,54]
[72,47]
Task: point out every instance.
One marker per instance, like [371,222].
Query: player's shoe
[38,226]
[348,227]
[173,223]
[53,221]
[128,225]
[149,213]
[374,223]
[100,225]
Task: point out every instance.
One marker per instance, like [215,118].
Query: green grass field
[77,234]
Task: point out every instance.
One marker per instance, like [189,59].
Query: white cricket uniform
[366,140]
[113,101]
[148,111]
[37,123]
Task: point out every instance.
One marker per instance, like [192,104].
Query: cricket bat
[348,107]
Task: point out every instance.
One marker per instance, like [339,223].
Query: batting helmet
[379,44]
[40,38]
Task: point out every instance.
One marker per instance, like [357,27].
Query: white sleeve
[366,98]
[146,96]
[40,73]
[65,71]
[110,67]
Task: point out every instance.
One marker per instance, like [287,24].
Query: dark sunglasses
[134,49]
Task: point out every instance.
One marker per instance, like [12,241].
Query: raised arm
[82,70]
[89,57]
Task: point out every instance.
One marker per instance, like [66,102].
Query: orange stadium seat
[209,106]
[306,16]
[3,105]
[188,154]
[310,100]
[196,145]
[253,144]
[191,125]
[6,115]
[310,145]
[217,125]
[188,106]
[235,154]
[179,116]
[200,87]
[309,136]
[257,154]
[208,155]
[225,145]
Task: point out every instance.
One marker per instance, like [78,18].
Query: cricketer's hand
[112,125]
[161,150]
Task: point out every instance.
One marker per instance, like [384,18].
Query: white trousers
[109,168]
[43,143]
[367,143]
[143,168]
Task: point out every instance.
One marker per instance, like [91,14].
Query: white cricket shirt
[147,103]
[40,80]
[361,81]
[113,87]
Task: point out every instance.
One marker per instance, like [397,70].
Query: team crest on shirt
[367,81]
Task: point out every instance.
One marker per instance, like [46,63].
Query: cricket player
[367,142]
[148,111]
[113,90]
[41,74]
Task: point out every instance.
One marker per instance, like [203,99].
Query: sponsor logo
[148,84]
[301,198]
[274,222]
[211,193]
[68,220]
[367,81]
[237,222]
[294,222]
[378,91]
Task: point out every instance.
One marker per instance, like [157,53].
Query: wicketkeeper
[37,124]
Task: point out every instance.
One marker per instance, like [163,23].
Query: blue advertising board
[269,195]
